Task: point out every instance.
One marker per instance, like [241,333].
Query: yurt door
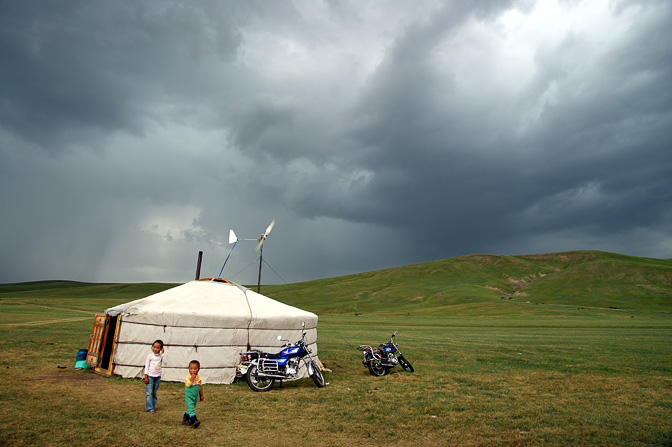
[102,344]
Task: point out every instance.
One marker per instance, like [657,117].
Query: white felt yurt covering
[211,321]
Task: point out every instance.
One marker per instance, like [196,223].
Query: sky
[375,133]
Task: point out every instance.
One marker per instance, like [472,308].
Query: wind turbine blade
[263,237]
[269,228]
[232,237]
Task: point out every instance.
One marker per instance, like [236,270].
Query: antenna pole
[261,256]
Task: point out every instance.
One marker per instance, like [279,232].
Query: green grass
[558,366]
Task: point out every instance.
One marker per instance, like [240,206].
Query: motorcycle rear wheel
[257,383]
[405,364]
[317,375]
[376,368]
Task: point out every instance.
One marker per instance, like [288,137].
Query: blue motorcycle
[262,369]
[382,359]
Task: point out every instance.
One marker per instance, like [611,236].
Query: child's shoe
[153,410]
[195,422]
[186,420]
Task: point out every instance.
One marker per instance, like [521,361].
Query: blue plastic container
[80,362]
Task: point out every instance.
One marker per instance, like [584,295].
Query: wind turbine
[260,249]
[233,239]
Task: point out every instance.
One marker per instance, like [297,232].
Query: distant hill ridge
[576,278]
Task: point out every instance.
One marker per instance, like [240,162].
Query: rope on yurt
[273,270]
[249,323]
[338,335]
[241,271]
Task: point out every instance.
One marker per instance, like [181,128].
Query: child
[153,364]
[193,389]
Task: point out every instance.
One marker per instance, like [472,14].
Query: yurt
[209,320]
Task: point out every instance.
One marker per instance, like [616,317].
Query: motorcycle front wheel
[376,368]
[405,364]
[258,383]
[317,375]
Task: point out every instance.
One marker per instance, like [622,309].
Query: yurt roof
[210,302]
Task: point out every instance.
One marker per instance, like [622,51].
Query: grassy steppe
[558,349]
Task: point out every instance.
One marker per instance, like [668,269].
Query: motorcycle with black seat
[262,369]
[382,359]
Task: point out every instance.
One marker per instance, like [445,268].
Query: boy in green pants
[193,390]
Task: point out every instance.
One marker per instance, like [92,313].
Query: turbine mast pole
[261,256]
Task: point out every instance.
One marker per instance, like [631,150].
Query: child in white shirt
[155,360]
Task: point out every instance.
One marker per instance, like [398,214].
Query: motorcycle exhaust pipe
[271,376]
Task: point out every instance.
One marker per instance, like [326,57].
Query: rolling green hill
[473,284]
[455,285]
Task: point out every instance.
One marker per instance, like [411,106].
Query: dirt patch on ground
[43,322]
[521,283]
[66,375]
[496,289]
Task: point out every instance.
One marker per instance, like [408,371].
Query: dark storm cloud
[594,160]
[134,134]
[78,68]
